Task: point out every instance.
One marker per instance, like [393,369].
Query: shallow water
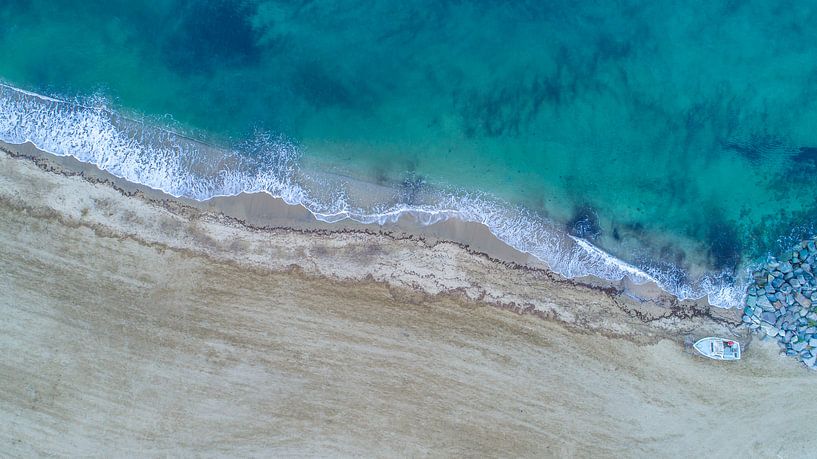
[678,136]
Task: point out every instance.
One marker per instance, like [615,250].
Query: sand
[134,323]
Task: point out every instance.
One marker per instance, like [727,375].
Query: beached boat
[718,348]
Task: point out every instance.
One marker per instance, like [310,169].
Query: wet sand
[138,324]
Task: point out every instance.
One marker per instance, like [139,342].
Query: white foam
[28,93]
[180,166]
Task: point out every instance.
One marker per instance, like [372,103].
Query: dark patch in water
[777,233]
[749,152]
[410,186]
[211,33]
[616,234]
[725,247]
[513,103]
[731,7]
[379,174]
[507,109]
[611,47]
[320,88]
[584,224]
[806,155]
[755,147]
[636,227]
[797,171]
[672,255]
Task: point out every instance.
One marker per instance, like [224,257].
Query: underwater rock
[584,224]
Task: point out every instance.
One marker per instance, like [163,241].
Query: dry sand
[137,324]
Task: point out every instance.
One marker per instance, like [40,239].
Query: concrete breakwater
[781,303]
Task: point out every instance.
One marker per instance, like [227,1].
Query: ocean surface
[665,140]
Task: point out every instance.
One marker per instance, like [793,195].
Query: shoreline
[262,213]
[207,170]
[135,321]
[260,210]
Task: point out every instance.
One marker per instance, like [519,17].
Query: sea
[666,141]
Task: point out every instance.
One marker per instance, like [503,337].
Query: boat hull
[718,348]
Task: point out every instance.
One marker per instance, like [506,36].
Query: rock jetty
[781,302]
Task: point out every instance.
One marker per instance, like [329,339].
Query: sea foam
[143,153]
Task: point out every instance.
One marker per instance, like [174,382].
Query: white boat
[718,348]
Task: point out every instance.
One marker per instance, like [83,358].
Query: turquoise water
[677,136]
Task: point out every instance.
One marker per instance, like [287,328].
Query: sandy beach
[135,323]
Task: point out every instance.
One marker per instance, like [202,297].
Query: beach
[135,323]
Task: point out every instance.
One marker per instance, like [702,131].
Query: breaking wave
[144,153]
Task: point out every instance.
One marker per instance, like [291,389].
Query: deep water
[680,137]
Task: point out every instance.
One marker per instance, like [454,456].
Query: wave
[140,152]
